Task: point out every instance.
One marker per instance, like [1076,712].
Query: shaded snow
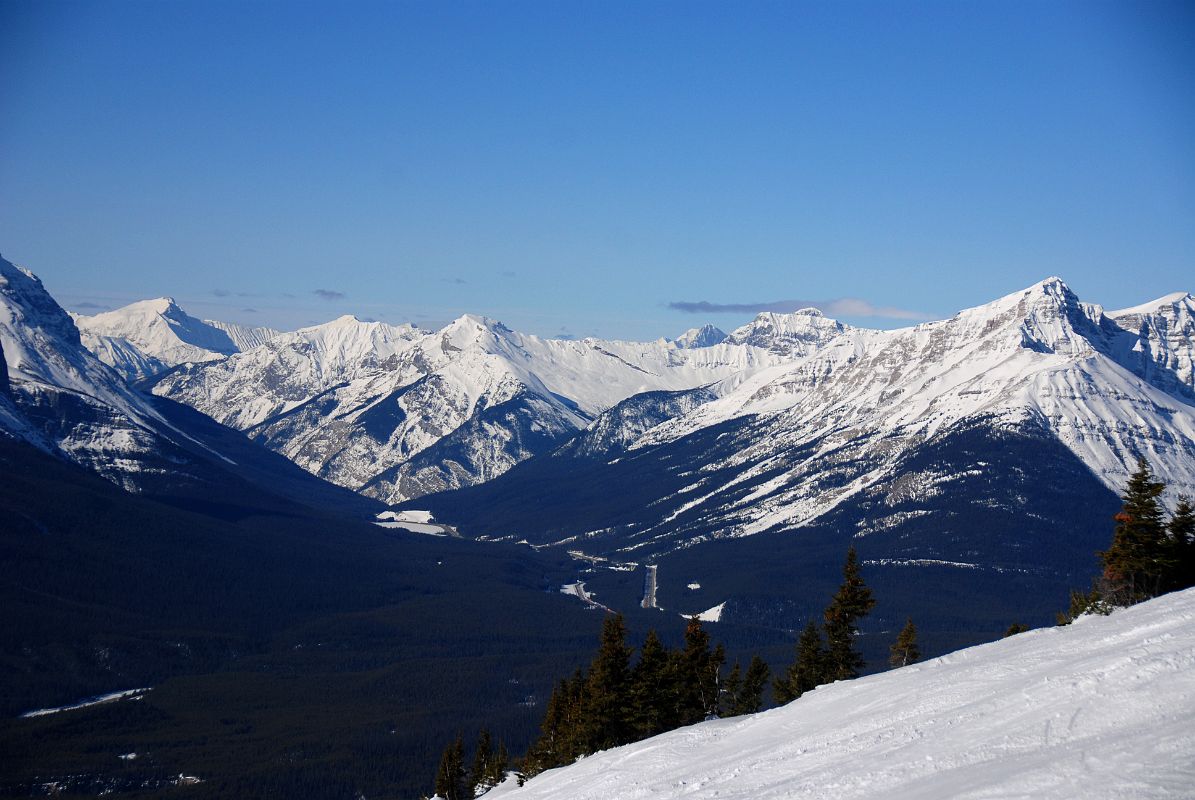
[1104,708]
[127,694]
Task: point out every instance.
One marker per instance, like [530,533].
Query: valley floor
[1104,708]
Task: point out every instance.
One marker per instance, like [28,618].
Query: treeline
[1149,554]
[616,702]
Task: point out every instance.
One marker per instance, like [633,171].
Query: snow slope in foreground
[1104,708]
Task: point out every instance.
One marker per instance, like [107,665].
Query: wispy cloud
[221,292]
[842,306]
[249,310]
[91,305]
[328,294]
[457,281]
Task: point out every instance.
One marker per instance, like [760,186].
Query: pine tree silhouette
[904,650]
[807,672]
[850,604]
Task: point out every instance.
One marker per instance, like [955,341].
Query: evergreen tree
[558,742]
[904,650]
[606,711]
[1014,629]
[651,689]
[1084,603]
[851,603]
[1138,560]
[730,691]
[499,765]
[807,671]
[750,695]
[1181,531]
[450,777]
[482,773]
[695,674]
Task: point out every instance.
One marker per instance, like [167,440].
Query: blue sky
[581,168]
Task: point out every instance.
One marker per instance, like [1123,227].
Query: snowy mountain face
[878,431]
[61,398]
[398,412]
[1103,708]
[705,336]
[150,336]
[56,396]
[855,403]
[793,334]
[1161,344]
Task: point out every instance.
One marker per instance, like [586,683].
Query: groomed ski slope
[1104,708]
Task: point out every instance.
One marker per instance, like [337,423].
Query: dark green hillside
[292,653]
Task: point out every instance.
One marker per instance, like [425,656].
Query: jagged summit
[150,336]
[705,336]
[1174,299]
[27,311]
[790,334]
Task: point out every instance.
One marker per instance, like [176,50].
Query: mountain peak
[1165,301]
[705,336]
[794,332]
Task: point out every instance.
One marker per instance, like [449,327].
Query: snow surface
[710,614]
[1104,708]
[127,694]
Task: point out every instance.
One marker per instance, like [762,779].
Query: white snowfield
[1104,708]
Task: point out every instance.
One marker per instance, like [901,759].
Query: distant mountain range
[868,426]
[982,454]
[395,412]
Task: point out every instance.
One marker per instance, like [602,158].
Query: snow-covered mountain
[859,400]
[705,336]
[397,412]
[1103,708]
[150,336]
[841,419]
[58,397]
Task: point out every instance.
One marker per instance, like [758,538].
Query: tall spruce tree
[695,675]
[851,602]
[450,777]
[1138,560]
[650,689]
[808,670]
[606,712]
[730,691]
[559,737]
[499,765]
[481,774]
[545,751]
[1181,532]
[749,698]
[904,650]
